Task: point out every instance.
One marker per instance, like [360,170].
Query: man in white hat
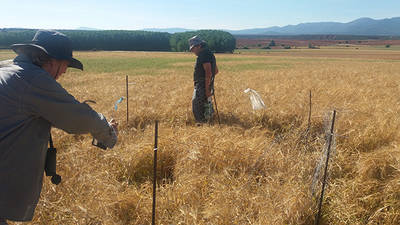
[204,72]
[32,101]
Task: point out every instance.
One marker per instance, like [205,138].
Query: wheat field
[257,167]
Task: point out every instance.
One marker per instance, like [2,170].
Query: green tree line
[218,41]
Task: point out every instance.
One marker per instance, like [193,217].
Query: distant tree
[388,46]
[272,43]
[110,40]
[287,47]
[99,40]
[13,36]
[266,47]
[311,46]
[218,41]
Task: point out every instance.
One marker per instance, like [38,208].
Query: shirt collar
[22,59]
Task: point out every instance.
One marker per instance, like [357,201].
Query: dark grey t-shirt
[205,56]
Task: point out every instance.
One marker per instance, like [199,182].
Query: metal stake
[127,101]
[155,173]
[326,168]
[309,120]
[216,109]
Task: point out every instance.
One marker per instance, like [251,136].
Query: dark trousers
[198,100]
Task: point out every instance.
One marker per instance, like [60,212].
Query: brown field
[327,53]
[255,168]
[257,43]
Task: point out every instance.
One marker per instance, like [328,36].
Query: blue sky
[206,14]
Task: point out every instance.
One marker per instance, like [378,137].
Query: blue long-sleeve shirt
[31,101]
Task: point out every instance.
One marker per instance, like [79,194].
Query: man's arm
[47,99]
[208,70]
[216,69]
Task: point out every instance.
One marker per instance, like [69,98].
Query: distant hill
[362,26]
[168,30]
[359,27]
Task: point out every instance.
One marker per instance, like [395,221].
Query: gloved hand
[114,124]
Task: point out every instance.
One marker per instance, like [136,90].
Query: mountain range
[168,30]
[362,26]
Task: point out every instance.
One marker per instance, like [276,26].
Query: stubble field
[256,167]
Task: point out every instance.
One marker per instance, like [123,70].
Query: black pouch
[51,163]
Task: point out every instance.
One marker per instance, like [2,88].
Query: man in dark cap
[204,72]
[31,102]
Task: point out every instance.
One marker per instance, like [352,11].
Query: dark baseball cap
[194,41]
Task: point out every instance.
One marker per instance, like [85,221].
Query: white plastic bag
[255,99]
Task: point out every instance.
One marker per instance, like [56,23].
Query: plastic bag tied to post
[256,101]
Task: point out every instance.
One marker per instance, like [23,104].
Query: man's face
[56,67]
[196,50]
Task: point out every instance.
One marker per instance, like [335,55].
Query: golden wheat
[255,168]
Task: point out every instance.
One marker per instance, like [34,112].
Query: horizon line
[190,29]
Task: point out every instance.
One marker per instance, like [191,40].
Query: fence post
[326,168]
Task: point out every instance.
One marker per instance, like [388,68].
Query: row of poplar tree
[218,41]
